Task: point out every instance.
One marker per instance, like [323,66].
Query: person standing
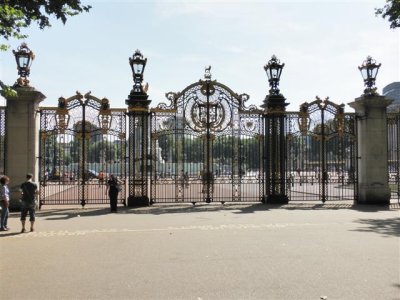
[5,202]
[101,178]
[113,188]
[29,191]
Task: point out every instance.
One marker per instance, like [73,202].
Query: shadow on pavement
[5,233]
[237,208]
[385,227]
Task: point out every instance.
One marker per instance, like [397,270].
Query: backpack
[31,203]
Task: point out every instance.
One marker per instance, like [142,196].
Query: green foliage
[16,15]
[391,10]
[7,91]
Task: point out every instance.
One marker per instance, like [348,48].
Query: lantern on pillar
[138,64]
[274,70]
[369,70]
[24,57]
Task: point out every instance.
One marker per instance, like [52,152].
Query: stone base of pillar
[276,199]
[373,195]
[138,201]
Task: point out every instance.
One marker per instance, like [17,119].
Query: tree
[392,11]
[16,15]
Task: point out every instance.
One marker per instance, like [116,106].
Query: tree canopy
[391,10]
[15,15]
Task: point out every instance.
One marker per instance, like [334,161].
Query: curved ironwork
[321,152]
[206,146]
[82,141]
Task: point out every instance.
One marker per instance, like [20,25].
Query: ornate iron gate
[82,141]
[206,146]
[394,154]
[321,153]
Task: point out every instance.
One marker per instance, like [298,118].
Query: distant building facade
[392,91]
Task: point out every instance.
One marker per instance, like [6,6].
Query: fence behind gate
[394,154]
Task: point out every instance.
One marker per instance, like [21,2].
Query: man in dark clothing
[113,188]
[29,190]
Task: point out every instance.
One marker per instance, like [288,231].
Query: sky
[321,43]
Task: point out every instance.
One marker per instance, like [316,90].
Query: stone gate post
[22,122]
[373,187]
[22,138]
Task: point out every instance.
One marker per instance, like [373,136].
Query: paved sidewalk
[299,251]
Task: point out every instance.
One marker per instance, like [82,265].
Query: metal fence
[206,146]
[394,154]
[321,153]
[82,141]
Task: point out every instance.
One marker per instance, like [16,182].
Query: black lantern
[138,63]
[24,57]
[369,69]
[274,70]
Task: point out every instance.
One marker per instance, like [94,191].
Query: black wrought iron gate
[321,153]
[394,154]
[206,146]
[82,142]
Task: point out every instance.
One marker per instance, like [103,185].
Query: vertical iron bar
[323,159]
[83,201]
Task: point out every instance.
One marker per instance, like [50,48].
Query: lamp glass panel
[268,71]
[23,61]
[374,72]
[137,68]
[274,72]
[364,73]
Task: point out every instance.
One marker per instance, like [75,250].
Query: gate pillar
[22,139]
[138,137]
[372,147]
[22,133]
[275,141]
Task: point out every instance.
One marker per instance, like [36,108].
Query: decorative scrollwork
[304,119]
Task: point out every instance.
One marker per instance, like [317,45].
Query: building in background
[392,91]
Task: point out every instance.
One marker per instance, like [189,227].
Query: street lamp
[24,57]
[369,69]
[274,70]
[137,63]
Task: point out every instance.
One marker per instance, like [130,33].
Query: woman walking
[113,188]
[5,202]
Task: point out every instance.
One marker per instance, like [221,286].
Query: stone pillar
[373,187]
[22,138]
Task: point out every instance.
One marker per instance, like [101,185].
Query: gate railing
[205,146]
[394,154]
[321,153]
[82,141]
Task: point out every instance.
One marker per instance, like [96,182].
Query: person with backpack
[29,190]
[113,188]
